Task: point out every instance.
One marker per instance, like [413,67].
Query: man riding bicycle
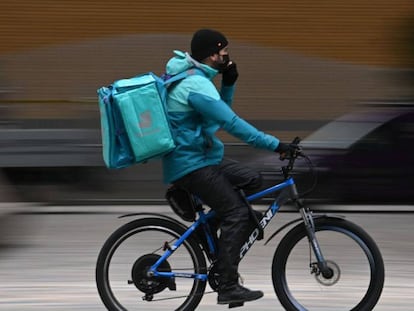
[196,110]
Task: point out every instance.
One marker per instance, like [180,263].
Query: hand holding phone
[230,74]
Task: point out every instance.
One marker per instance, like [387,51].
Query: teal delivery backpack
[134,123]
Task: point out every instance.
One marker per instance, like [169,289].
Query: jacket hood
[183,61]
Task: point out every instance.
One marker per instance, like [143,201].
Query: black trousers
[217,186]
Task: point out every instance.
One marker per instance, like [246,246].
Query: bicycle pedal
[236,304]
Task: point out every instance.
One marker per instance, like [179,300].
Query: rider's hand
[286,150]
[230,74]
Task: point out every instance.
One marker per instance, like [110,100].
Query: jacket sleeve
[221,113]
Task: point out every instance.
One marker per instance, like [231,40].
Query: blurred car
[362,157]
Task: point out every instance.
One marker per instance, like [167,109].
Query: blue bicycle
[324,262]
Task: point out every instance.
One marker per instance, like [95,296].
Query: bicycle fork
[321,264]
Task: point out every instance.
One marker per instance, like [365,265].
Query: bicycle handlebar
[296,151]
[291,156]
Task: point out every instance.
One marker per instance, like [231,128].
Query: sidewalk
[116,208]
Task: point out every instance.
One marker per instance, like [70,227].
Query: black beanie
[207,42]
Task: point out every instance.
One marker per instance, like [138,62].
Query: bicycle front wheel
[351,255]
[121,277]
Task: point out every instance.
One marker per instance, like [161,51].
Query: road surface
[47,261]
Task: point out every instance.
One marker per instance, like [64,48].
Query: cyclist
[196,110]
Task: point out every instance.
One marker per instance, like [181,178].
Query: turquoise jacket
[196,111]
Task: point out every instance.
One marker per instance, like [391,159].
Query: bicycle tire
[355,242]
[148,227]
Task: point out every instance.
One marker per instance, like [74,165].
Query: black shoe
[236,293]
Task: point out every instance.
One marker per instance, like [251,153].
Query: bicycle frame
[186,259]
[286,185]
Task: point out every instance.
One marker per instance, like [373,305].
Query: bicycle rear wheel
[127,254]
[351,254]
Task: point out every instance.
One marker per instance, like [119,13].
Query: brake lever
[282,157]
[292,155]
[299,152]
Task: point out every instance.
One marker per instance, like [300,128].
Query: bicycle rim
[353,257]
[128,252]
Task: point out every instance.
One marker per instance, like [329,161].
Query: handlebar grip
[292,154]
[296,141]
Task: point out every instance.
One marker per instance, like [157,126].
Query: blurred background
[338,73]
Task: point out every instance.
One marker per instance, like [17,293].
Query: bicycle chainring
[213,278]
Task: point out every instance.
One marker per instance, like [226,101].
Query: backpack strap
[169,80]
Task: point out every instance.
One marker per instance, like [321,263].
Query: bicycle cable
[313,172]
